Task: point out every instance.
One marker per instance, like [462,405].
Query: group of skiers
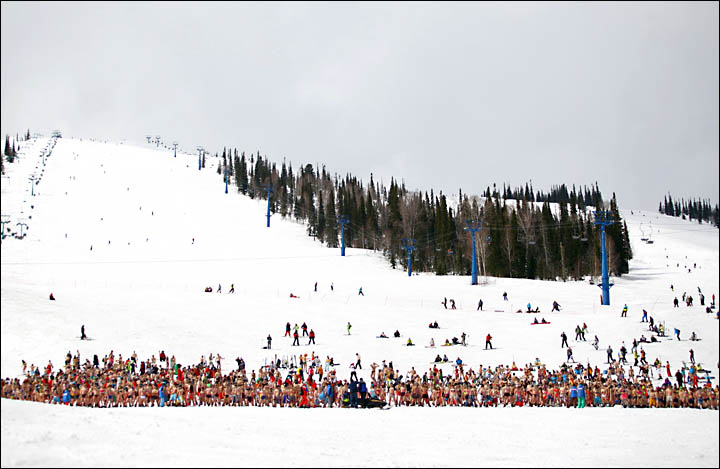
[118,383]
[296,334]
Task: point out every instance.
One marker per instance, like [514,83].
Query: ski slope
[161,231]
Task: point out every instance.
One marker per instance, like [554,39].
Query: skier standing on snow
[312,337]
[624,311]
[304,329]
[480,305]
[269,340]
[676,303]
[488,338]
[564,342]
[360,292]
[82,332]
[296,338]
[348,327]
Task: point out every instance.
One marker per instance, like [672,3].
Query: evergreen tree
[331,227]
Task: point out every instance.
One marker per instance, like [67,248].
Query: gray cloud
[446,96]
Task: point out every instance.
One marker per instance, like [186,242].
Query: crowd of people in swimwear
[308,382]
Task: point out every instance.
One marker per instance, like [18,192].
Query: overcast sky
[445,96]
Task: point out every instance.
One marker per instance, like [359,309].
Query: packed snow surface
[161,231]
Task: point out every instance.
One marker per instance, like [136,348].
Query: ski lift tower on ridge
[200,150]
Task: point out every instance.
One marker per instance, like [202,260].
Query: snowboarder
[452,304]
[219,288]
[409,342]
[570,355]
[304,329]
[269,340]
[624,311]
[444,302]
[396,333]
[52,298]
[556,306]
[480,305]
[332,287]
[677,333]
[596,343]
[488,338]
[564,340]
[505,296]
[232,288]
[644,316]
[360,292]
[692,356]
[315,286]
[348,327]
[287,330]
[82,332]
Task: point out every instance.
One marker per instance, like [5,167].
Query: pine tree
[331,227]
[320,218]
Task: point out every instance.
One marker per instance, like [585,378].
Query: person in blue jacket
[329,394]
[66,397]
[581,395]
[363,389]
[573,395]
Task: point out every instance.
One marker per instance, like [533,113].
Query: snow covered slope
[161,231]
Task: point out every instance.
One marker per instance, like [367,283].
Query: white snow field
[141,288]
